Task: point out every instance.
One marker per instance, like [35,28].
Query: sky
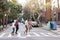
[23,2]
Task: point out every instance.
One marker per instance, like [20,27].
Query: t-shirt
[26,22]
[13,24]
[16,23]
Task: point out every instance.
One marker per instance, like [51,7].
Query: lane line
[2,35]
[36,34]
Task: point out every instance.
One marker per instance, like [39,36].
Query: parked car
[34,24]
[23,22]
[10,21]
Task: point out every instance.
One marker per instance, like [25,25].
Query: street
[35,34]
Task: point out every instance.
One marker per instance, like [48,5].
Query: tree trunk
[3,21]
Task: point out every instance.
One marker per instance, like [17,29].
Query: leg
[13,31]
[26,29]
[30,28]
[16,29]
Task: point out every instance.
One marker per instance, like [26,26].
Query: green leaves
[15,9]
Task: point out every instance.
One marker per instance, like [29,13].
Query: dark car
[10,21]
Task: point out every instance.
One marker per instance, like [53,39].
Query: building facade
[52,9]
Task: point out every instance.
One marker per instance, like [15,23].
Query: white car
[34,23]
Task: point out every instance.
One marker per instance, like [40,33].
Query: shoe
[16,33]
[12,33]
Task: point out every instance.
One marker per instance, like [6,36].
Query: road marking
[36,34]
[52,34]
[2,35]
[19,35]
[28,35]
[44,34]
[9,35]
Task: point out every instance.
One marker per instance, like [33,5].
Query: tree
[15,10]
[9,8]
[33,9]
[3,7]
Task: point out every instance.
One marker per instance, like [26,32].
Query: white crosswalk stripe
[19,35]
[36,34]
[52,35]
[10,35]
[44,34]
[2,35]
[30,35]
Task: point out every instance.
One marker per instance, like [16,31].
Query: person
[55,17]
[13,25]
[49,25]
[40,20]
[16,25]
[30,25]
[26,26]
[54,25]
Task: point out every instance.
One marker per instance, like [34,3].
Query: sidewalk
[54,31]
[5,28]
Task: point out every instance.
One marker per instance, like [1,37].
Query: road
[35,34]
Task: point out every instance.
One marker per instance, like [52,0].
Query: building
[51,7]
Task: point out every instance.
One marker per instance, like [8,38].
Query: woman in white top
[26,26]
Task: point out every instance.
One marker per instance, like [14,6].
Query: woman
[26,26]
[13,25]
[30,26]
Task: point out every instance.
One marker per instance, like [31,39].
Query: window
[54,4]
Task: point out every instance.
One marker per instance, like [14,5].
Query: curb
[53,31]
[4,28]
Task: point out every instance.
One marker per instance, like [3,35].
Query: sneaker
[12,33]
[16,33]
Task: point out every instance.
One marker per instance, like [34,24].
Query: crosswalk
[34,34]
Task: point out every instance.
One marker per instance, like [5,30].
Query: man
[17,26]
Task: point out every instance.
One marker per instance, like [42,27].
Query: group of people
[52,25]
[15,26]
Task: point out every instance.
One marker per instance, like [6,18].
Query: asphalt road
[35,34]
